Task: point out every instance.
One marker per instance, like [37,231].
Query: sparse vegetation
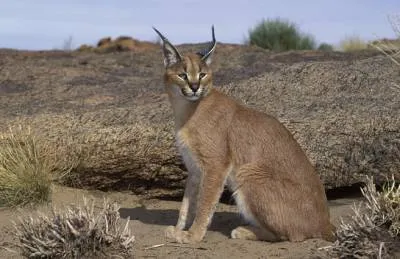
[77,232]
[352,43]
[325,47]
[25,175]
[391,48]
[280,35]
[374,229]
[27,169]
[85,48]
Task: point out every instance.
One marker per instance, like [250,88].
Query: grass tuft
[352,43]
[25,174]
[27,169]
[77,232]
[391,48]
[374,229]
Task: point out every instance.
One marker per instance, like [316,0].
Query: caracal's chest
[192,163]
[187,153]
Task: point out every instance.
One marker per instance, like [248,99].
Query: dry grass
[391,48]
[27,169]
[374,229]
[77,232]
[352,43]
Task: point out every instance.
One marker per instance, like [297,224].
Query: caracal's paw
[170,232]
[181,236]
[243,233]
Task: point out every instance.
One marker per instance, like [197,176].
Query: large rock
[111,110]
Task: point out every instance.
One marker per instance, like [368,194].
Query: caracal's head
[188,76]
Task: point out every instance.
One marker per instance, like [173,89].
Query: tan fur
[223,142]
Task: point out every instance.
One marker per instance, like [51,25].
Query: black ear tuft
[207,53]
[171,54]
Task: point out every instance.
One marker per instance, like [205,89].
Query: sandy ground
[149,218]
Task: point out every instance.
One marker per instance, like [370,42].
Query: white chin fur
[192,98]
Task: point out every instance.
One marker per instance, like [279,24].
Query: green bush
[325,47]
[280,35]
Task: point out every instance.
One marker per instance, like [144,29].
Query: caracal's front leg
[211,188]
[188,206]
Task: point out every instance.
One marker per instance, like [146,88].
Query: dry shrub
[374,229]
[26,173]
[28,167]
[76,232]
[391,48]
[85,47]
[352,43]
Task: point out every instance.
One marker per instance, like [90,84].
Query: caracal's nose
[194,87]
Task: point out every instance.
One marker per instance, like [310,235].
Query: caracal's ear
[171,54]
[206,54]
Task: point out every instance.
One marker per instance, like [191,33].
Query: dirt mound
[122,43]
[341,107]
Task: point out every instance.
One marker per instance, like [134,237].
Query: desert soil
[149,218]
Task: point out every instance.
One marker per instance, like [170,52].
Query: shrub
[77,232]
[27,169]
[374,229]
[352,43]
[25,175]
[85,47]
[280,35]
[391,48]
[325,47]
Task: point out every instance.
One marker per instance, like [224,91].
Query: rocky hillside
[110,111]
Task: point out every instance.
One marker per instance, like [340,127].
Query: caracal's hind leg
[252,231]
[271,200]
[252,199]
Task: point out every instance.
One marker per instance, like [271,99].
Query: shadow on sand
[223,222]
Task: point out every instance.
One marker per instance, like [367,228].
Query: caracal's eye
[183,76]
[201,75]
